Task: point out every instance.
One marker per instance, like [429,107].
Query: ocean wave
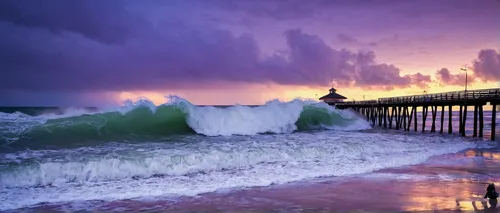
[142,119]
[294,158]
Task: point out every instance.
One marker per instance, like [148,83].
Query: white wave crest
[274,117]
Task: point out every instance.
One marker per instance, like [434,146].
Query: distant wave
[142,120]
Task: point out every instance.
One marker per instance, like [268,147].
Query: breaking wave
[142,119]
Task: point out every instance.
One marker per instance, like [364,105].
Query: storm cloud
[89,45]
[445,77]
[421,13]
[104,21]
[487,65]
[486,68]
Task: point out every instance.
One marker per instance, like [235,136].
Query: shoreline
[451,182]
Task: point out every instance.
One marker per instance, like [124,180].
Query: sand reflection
[430,197]
[486,154]
[463,194]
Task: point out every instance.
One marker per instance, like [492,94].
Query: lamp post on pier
[465,70]
[464,117]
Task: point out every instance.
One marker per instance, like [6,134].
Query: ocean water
[142,151]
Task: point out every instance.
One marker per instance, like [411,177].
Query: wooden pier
[402,111]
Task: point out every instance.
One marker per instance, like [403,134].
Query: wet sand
[454,183]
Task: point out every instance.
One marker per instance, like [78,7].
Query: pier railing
[455,96]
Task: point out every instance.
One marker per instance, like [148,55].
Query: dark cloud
[487,65]
[486,68]
[445,77]
[309,60]
[64,47]
[386,76]
[389,12]
[105,21]
[181,57]
[419,79]
[297,9]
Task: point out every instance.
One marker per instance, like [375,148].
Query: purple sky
[71,52]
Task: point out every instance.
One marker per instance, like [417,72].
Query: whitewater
[141,150]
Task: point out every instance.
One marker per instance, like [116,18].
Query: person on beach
[492,194]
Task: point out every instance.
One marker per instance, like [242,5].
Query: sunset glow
[259,94]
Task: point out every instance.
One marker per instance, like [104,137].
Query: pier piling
[465,121]
[481,121]
[391,117]
[379,112]
[450,116]
[460,120]
[398,118]
[405,115]
[493,121]
[434,113]
[442,120]
[424,116]
[410,118]
[474,134]
[415,119]
[385,117]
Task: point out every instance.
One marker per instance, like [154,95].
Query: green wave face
[138,124]
[314,118]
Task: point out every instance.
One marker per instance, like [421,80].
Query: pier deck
[384,111]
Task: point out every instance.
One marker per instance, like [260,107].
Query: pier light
[465,70]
